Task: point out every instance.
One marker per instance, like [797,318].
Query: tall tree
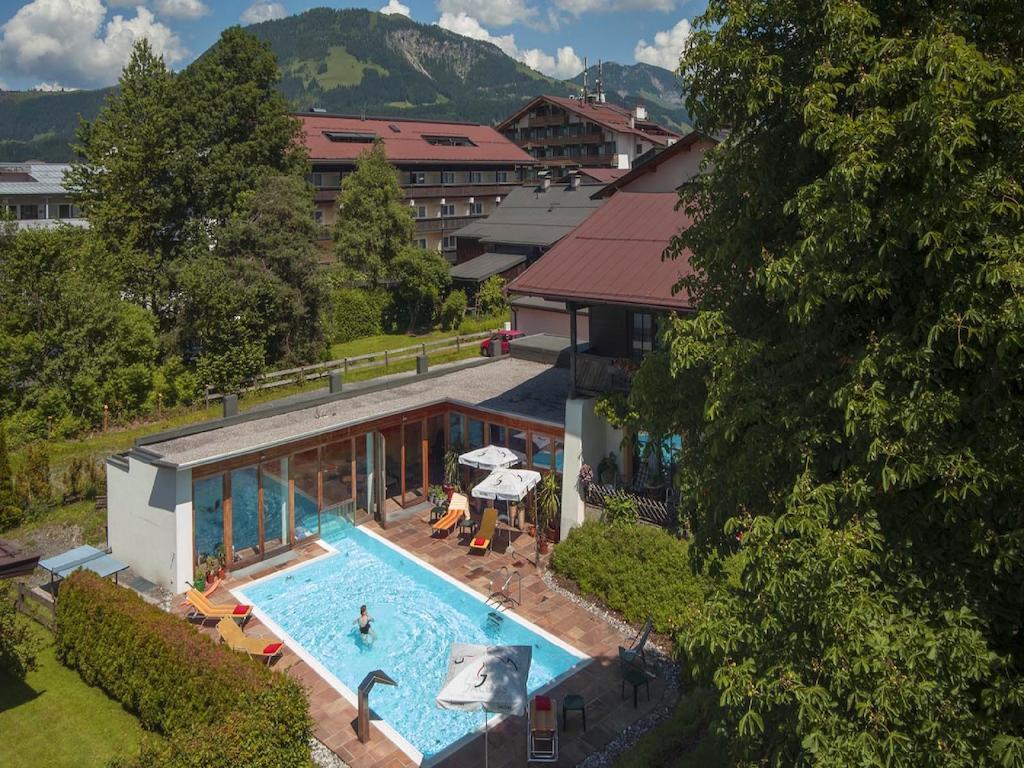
[421,278]
[856,370]
[134,184]
[238,123]
[374,223]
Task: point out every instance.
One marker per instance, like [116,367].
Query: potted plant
[436,494]
[218,553]
[199,582]
[608,469]
[452,470]
[585,479]
[549,499]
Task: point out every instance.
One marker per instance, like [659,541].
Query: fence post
[385,361]
[458,343]
[346,366]
[106,416]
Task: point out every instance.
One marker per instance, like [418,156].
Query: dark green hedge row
[217,707]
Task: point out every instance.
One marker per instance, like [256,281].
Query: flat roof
[485,265]
[530,390]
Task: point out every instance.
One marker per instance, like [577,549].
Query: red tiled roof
[604,175]
[610,116]
[407,144]
[614,257]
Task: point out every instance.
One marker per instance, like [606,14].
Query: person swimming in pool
[364,621]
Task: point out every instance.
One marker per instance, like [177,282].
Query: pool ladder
[503,594]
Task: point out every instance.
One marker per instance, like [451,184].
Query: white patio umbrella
[489,457]
[507,484]
[486,678]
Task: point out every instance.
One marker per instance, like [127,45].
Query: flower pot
[209,577]
[200,584]
[221,572]
[531,529]
[544,545]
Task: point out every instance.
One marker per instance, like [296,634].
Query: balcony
[599,375]
[445,224]
[416,191]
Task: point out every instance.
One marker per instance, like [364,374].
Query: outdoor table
[99,562]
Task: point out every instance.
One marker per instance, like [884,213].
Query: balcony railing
[602,375]
[446,224]
[413,191]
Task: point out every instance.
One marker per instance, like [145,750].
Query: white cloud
[667,47]
[395,8]
[182,9]
[258,12]
[70,41]
[580,7]
[462,24]
[51,87]
[563,65]
[494,13]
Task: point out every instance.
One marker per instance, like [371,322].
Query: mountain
[356,61]
[658,89]
[40,125]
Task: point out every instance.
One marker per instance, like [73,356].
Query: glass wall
[456,432]
[517,443]
[548,453]
[498,435]
[413,436]
[435,450]
[336,464]
[275,503]
[307,518]
[364,471]
[208,505]
[476,434]
[393,463]
[245,514]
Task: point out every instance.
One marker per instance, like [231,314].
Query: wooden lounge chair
[203,609]
[256,647]
[458,507]
[542,733]
[485,533]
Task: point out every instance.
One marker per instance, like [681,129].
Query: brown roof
[685,144]
[407,140]
[614,257]
[609,116]
[13,562]
[604,175]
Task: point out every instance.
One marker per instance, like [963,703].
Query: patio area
[608,712]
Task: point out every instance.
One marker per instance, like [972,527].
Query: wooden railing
[653,509]
[37,605]
[601,375]
[383,359]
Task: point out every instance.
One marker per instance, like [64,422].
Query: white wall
[533,320]
[669,175]
[149,521]
[588,438]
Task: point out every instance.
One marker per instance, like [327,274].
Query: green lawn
[389,341]
[53,719]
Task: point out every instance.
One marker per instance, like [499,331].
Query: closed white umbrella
[486,678]
[489,457]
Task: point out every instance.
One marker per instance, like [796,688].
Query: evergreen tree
[374,224]
[855,375]
[421,278]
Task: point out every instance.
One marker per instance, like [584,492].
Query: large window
[517,443]
[413,436]
[497,434]
[456,438]
[435,450]
[336,464]
[208,504]
[548,453]
[476,434]
[275,503]
[245,514]
[307,517]
[642,334]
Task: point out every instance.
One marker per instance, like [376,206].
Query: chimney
[639,112]
[545,180]
[574,179]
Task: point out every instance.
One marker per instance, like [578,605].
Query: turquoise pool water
[418,615]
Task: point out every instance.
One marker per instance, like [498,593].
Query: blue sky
[84,43]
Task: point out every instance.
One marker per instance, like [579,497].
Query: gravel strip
[660,660]
[323,757]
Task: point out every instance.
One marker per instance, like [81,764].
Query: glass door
[414,490]
[392,469]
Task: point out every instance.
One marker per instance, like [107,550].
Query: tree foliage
[374,224]
[18,646]
[491,299]
[421,278]
[856,374]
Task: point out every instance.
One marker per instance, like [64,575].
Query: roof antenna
[584,97]
[600,82]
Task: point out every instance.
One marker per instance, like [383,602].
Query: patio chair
[635,673]
[485,533]
[200,607]
[542,731]
[256,647]
[458,508]
[636,648]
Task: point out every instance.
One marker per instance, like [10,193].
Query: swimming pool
[418,614]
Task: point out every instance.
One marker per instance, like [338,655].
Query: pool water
[417,616]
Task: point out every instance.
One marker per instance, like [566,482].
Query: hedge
[355,313]
[217,706]
[637,570]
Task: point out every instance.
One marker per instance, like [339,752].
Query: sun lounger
[485,532]
[257,647]
[458,508]
[542,733]
[202,608]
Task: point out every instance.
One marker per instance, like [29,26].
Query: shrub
[453,310]
[217,707]
[355,313]
[17,647]
[84,478]
[620,509]
[32,483]
[491,299]
[637,570]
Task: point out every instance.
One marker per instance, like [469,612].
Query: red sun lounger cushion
[273,648]
[478,542]
[241,610]
[543,704]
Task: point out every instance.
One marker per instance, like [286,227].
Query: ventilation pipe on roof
[545,180]
[574,179]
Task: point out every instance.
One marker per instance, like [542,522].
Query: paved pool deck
[608,711]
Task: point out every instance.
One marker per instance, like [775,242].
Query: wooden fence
[383,359]
[653,511]
[36,604]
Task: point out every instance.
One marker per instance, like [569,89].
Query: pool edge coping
[583,660]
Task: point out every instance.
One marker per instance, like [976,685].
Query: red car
[488,346]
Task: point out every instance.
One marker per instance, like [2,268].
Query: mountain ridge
[355,61]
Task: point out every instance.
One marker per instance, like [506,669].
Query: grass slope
[54,719]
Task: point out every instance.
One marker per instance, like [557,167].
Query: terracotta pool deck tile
[599,682]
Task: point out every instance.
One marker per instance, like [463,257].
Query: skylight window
[449,141]
[351,137]
[394,128]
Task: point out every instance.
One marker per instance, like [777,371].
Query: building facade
[565,133]
[34,195]
[451,173]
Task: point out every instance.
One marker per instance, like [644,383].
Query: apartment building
[34,195]
[451,173]
[565,133]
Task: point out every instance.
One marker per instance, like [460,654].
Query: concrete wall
[669,175]
[533,320]
[149,521]
[588,438]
